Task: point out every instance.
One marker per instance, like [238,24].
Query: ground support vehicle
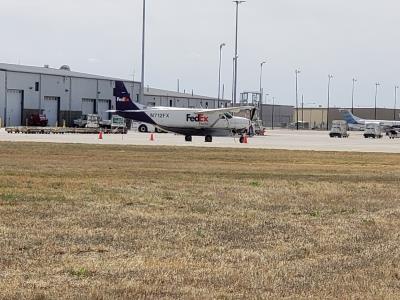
[373,130]
[63,130]
[339,129]
[38,119]
[393,133]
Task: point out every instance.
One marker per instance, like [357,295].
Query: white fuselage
[384,123]
[190,121]
[188,118]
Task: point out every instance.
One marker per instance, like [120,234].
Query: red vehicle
[38,120]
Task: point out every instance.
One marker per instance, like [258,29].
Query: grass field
[99,222]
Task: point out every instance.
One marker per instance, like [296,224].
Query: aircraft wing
[224,110]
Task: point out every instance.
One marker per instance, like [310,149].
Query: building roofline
[151,92]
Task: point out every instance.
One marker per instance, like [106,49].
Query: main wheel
[143,128]
[208,139]
[188,138]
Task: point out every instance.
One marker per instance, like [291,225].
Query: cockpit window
[228,115]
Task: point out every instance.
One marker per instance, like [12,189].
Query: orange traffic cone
[245,139]
[152,137]
[100,135]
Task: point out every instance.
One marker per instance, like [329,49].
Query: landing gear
[241,140]
[208,139]
[188,138]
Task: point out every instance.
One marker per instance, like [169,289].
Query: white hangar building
[65,95]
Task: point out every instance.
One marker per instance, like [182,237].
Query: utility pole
[396,87]
[352,95]
[261,91]
[376,98]
[236,52]
[302,110]
[219,70]
[297,72]
[329,94]
[273,112]
[143,49]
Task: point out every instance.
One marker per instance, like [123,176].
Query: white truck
[373,130]
[88,121]
[339,129]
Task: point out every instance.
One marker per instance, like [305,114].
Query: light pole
[329,94]
[352,95]
[233,81]
[396,87]
[143,49]
[236,50]
[376,97]
[297,72]
[261,91]
[219,70]
[273,112]
[302,110]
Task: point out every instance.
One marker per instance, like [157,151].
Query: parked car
[38,120]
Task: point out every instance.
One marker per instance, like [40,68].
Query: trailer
[63,130]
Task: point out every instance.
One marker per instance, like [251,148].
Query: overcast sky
[345,38]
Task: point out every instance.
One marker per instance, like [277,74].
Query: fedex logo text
[123,99]
[200,118]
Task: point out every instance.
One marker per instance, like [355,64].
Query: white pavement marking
[277,139]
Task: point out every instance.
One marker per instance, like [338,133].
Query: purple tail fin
[124,100]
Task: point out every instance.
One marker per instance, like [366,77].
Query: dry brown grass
[111,222]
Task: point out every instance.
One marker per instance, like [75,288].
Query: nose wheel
[241,139]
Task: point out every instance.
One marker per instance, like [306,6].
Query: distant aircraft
[356,121]
[188,122]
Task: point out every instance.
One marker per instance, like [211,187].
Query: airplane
[352,120]
[185,121]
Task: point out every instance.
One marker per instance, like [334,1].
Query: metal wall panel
[2,96]
[57,86]
[102,106]
[82,88]
[51,106]
[25,82]
[88,106]
[14,108]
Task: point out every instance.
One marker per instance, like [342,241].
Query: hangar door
[102,107]
[14,108]
[51,108]
[88,106]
